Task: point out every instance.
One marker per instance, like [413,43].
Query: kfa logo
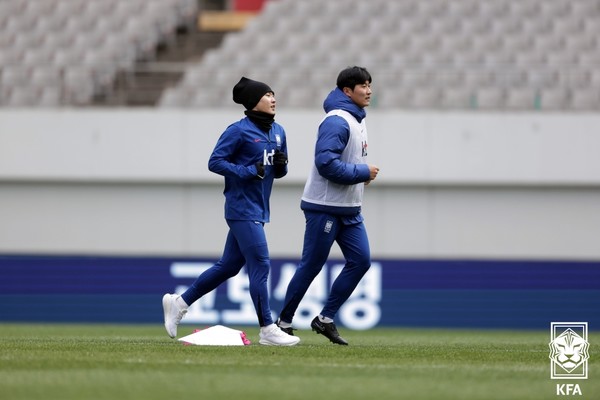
[568,389]
[569,350]
[569,354]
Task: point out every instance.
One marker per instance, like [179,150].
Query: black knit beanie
[249,92]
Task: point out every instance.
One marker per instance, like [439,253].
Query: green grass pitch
[120,362]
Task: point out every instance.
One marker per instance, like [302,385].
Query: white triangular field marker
[217,335]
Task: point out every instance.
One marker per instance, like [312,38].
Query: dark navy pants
[321,231]
[246,244]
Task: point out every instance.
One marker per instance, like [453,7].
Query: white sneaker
[173,313]
[273,336]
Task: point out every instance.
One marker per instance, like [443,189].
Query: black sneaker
[327,330]
[289,331]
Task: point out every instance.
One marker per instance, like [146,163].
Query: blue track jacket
[237,151]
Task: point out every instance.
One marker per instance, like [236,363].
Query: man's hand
[280,161]
[260,170]
[373,171]
[280,158]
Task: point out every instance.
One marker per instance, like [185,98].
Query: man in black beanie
[249,92]
[259,100]
[250,154]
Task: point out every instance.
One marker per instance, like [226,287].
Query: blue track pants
[320,233]
[246,244]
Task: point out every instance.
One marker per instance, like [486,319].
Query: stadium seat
[174,97]
[412,45]
[574,78]
[541,78]
[595,78]
[50,96]
[585,99]
[425,97]
[45,75]
[523,9]
[584,9]
[456,98]
[8,57]
[488,98]
[107,35]
[14,76]
[394,99]
[79,85]
[22,96]
[553,98]
[521,98]
[555,8]
[530,60]
[492,46]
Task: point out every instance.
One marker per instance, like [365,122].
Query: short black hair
[352,76]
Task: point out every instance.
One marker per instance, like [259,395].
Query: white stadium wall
[452,185]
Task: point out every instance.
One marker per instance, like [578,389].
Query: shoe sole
[267,343]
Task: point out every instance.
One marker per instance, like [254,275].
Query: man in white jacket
[332,201]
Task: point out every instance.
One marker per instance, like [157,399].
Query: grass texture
[120,362]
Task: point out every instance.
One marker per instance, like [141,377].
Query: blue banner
[410,293]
